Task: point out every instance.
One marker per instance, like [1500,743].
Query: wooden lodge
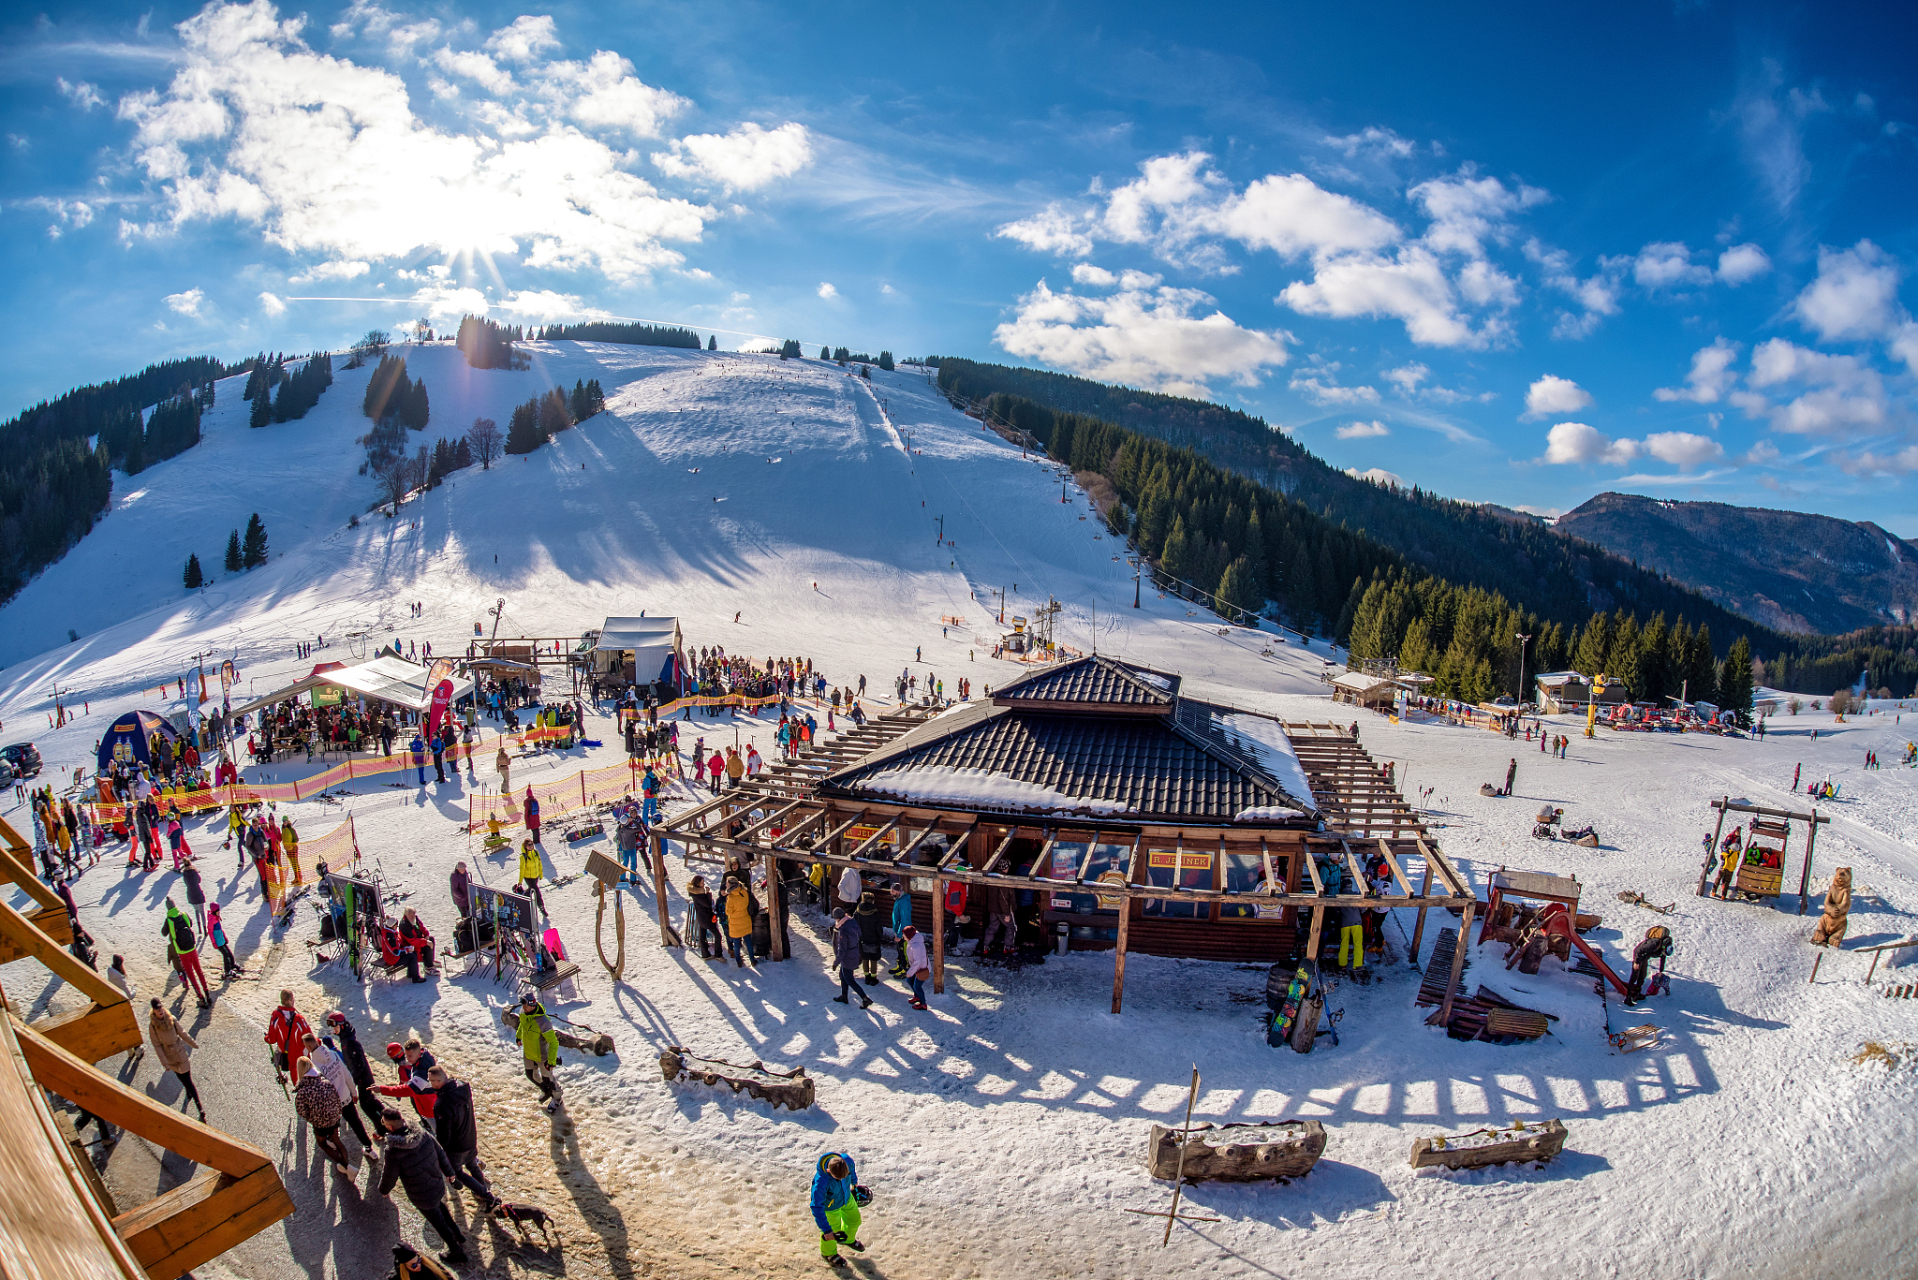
[1135,817]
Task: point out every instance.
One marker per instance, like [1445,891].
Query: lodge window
[1245,873]
[1067,857]
[1178,869]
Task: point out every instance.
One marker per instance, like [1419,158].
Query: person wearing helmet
[539,1047]
[836,1200]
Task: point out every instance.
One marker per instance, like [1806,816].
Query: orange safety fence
[306,788]
[338,849]
[583,790]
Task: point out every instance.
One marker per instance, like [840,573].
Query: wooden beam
[904,856]
[1312,943]
[1118,954]
[17,863]
[1418,930]
[78,1082]
[816,818]
[826,841]
[52,921]
[1458,966]
[775,892]
[105,1027]
[1312,867]
[668,936]
[1398,872]
[746,836]
[938,936]
[202,1218]
[870,841]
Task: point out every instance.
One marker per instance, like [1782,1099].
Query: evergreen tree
[463,454]
[1594,646]
[262,411]
[523,434]
[578,401]
[387,389]
[416,411]
[554,417]
[825,353]
[712,343]
[595,398]
[885,361]
[234,562]
[1655,660]
[194,578]
[1621,661]
[1175,555]
[1701,670]
[1735,681]
[1238,592]
[253,546]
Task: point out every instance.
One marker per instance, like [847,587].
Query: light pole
[1521,665]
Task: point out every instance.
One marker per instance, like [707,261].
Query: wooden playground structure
[1766,849]
[56,1216]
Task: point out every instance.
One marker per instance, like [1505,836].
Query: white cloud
[1407,377]
[603,93]
[1762,454]
[272,304]
[1711,375]
[82,95]
[1683,449]
[1377,475]
[1904,344]
[1837,396]
[1552,395]
[1143,337]
[1467,211]
[342,270]
[1597,294]
[1771,129]
[525,39]
[1294,216]
[1054,229]
[744,160]
[1086,273]
[1855,294]
[1413,380]
[477,67]
[188,303]
[826,290]
[1411,288]
[1321,386]
[1570,442]
[448,301]
[1362,430]
[1373,138]
[545,306]
[327,157]
[1667,264]
[1742,263]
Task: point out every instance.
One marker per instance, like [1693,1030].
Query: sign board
[328,696]
[604,869]
[506,910]
[1109,901]
[1186,860]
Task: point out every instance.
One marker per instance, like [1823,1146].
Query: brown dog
[410,1264]
[523,1216]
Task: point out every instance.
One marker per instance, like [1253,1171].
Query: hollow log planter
[790,1089]
[1519,1142]
[1238,1152]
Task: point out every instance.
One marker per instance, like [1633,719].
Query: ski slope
[1005,1130]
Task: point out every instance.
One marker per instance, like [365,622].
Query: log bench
[1520,1141]
[1238,1152]
[790,1089]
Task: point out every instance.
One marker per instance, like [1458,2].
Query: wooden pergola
[781,814]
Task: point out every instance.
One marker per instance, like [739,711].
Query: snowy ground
[1004,1131]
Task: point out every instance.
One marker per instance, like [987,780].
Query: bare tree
[396,479]
[484,436]
[374,343]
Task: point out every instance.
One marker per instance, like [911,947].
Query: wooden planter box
[790,1089]
[1238,1152]
[1519,1142]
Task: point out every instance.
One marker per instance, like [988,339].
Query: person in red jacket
[413,1063]
[286,1031]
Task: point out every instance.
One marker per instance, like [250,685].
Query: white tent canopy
[653,642]
[389,678]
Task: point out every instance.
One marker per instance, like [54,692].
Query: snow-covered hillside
[1005,1129]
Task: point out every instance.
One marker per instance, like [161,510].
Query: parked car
[22,759]
[7,775]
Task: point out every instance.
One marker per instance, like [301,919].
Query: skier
[530,868]
[836,1197]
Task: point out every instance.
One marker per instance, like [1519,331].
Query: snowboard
[1279,1032]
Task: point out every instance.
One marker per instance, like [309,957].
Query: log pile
[790,1089]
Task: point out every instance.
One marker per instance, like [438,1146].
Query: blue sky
[1519,257]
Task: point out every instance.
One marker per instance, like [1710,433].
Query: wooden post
[938,936]
[1118,955]
[1820,959]
[1312,943]
[1458,964]
[775,928]
[1418,930]
[1804,878]
[654,847]
[1705,872]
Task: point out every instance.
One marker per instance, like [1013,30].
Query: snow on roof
[388,678]
[1361,681]
[1261,738]
[985,789]
[638,633]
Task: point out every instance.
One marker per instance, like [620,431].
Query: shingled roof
[1083,747]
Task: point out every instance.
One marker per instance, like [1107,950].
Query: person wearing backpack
[184,950]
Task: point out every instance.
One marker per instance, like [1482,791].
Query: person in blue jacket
[836,1197]
[901,917]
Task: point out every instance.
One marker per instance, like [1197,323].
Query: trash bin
[1062,938]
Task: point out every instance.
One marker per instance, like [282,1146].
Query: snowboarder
[836,1197]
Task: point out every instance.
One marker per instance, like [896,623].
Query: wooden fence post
[1418,930]
[938,936]
[1118,957]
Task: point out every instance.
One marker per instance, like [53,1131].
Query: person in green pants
[836,1197]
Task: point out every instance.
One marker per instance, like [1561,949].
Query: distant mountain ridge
[1790,570]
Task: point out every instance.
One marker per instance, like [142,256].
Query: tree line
[1520,558]
[489,345]
[298,391]
[545,416]
[57,459]
[632,335]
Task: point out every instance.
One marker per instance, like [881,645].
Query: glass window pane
[1245,873]
[1171,868]
[1068,856]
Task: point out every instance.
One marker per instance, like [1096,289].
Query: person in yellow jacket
[290,841]
[740,910]
[530,870]
[735,767]
[539,1049]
